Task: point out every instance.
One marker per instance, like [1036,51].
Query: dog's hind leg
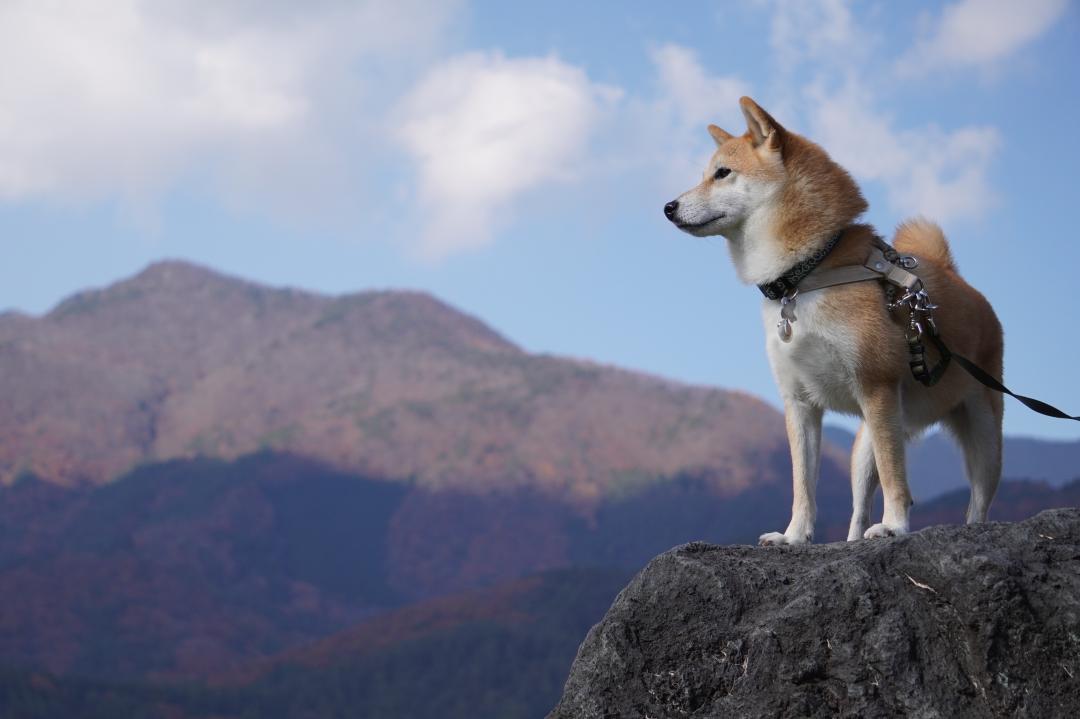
[864,483]
[977,426]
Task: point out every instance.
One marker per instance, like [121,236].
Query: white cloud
[691,95]
[817,30]
[923,170]
[123,98]
[973,33]
[943,175]
[286,104]
[484,129]
[688,99]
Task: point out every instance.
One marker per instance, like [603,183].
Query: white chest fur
[818,364]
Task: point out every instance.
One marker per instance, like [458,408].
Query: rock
[971,621]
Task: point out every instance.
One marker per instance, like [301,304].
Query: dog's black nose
[669,209]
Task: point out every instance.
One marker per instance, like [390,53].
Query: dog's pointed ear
[764,130]
[719,136]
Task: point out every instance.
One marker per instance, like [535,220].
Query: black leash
[930,377]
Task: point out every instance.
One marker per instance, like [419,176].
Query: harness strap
[819,279]
[877,267]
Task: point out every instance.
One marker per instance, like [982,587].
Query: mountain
[181,362]
[1016,500]
[936,465]
[217,496]
[196,568]
[499,652]
[198,471]
[190,567]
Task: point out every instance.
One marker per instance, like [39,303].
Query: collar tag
[787,315]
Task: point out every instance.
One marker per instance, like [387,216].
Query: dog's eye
[721,173]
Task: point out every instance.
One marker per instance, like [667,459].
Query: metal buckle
[905,299]
[920,306]
[907,262]
[923,303]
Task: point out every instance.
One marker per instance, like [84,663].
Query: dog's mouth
[698,225]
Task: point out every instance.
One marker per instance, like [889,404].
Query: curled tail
[923,238]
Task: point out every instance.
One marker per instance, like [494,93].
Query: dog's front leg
[882,413]
[804,435]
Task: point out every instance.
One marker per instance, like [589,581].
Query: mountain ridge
[181,361]
[935,464]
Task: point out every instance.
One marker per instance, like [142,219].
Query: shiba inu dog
[782,203]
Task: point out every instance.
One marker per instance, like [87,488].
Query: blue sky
[513,158]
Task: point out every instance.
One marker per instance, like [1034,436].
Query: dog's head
[744,173]
[770,176]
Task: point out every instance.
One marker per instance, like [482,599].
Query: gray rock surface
[976,621]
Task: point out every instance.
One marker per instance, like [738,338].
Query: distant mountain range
[267,611]
[196,568]
[224,500]
[502,652]
[181,362]
[936,466]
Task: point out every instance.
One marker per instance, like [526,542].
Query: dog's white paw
[884,530]
[772,539]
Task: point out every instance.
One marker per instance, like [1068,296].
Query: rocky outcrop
[976,621]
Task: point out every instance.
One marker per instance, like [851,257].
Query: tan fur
[920,236]
[818,197]
[782,201]
[718,135]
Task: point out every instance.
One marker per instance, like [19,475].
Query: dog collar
[790,280]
